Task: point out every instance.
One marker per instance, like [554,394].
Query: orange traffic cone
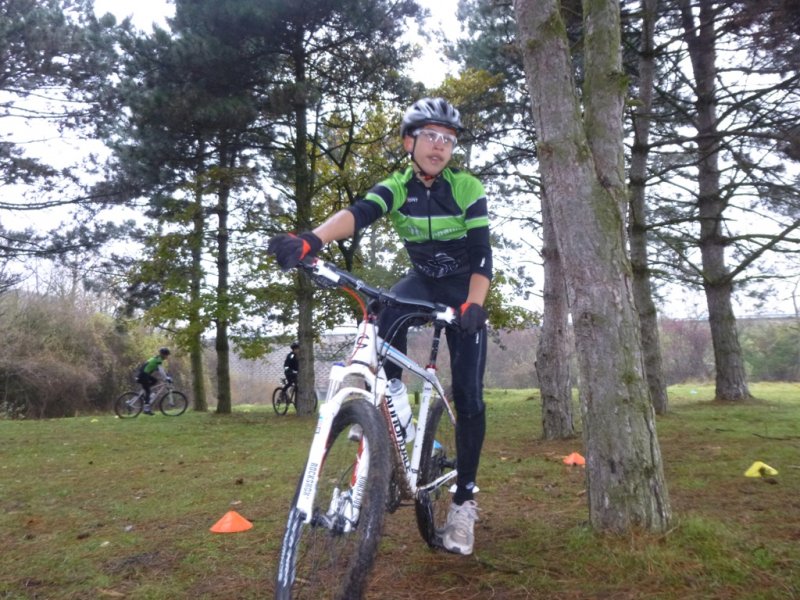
[575,459]
[231,522]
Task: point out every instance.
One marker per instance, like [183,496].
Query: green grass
[98,507]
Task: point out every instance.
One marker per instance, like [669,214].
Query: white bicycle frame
[155,391]
[364,363]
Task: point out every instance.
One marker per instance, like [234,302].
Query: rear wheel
[128,405]
[331,557]
[280,401]
[173,403]
[438,459]
[293,398]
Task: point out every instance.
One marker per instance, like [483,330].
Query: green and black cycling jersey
[151,365]
[445,228]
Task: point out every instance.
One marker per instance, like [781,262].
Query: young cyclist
[291,365]
[441,215]
[146,376]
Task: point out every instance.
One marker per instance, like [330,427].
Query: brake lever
[322,275]
[447,316]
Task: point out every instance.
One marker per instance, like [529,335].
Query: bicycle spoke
[173,403]
[128,405]
[280,401]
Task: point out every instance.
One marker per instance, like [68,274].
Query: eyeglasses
[436,137]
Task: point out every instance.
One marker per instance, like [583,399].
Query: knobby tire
[173,403]
[438,458]
[126,409]
[280,401]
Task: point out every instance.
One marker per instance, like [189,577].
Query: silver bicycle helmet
[430,110]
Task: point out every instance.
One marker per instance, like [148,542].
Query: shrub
[59,359]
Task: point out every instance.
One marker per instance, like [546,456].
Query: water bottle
[399,395]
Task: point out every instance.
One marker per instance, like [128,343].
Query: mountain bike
[285,395]
[359,465]
[170,402]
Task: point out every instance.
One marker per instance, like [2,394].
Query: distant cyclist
[147,376]
[291,366]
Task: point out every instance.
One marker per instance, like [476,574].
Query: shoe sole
[458,550]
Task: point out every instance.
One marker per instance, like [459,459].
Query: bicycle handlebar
[327,275]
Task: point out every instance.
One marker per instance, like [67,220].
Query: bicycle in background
[359,465]
[170,402]
[285,395]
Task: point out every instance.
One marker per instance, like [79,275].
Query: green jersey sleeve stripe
[375,197]
[477,222]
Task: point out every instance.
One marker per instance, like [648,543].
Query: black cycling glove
[472,317]
[289,249]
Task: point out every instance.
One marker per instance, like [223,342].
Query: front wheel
[332,555]
[280,401]
[128,405]
[438,461]
[173,403]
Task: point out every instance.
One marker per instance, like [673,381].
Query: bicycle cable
[394,330]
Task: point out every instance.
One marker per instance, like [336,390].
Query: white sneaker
[459,535]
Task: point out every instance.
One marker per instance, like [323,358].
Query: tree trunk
[637,226]
[196,325]
[582,172]
[552,355]
[222,345]
[303,186]
[731,377]
[731,381]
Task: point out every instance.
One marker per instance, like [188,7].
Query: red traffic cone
[231,522]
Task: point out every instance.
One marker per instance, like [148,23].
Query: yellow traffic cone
[759,469]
